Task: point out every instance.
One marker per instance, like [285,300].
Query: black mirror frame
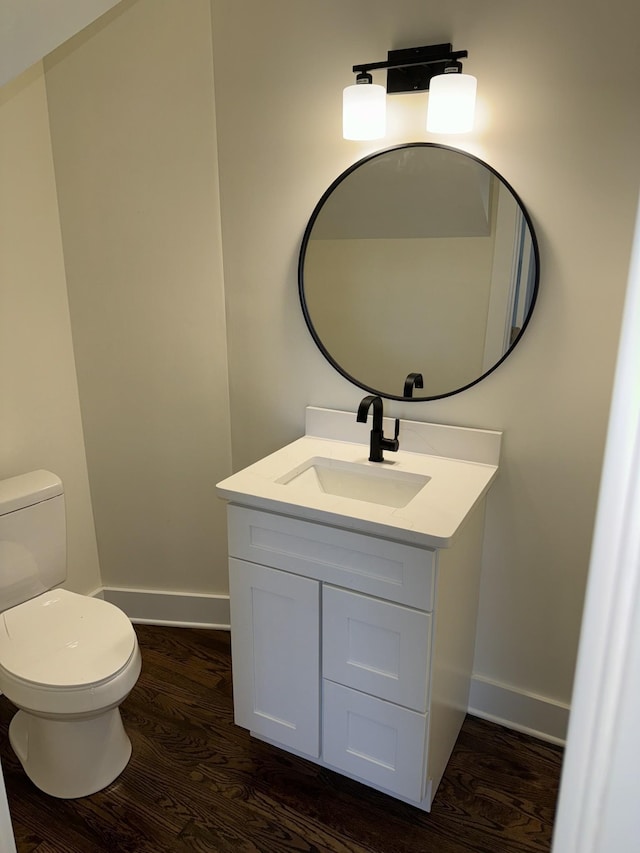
[303,250]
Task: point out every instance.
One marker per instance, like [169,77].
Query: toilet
[67,661]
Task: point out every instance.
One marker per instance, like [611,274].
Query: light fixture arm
[411,69]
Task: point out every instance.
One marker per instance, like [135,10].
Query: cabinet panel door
[374,740]
[275,655]
[376,646]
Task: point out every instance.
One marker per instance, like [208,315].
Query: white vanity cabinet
[353,650]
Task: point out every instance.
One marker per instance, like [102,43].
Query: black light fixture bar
[411,69]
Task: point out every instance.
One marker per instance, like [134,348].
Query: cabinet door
[275,655]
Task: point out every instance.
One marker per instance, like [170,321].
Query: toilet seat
[67,653]
[61,639]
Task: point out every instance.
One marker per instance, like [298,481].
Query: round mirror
[418,271]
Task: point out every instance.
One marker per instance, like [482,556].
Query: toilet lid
[62,639]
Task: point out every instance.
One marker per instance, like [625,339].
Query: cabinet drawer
[378,742]
[376,647]
[379,567]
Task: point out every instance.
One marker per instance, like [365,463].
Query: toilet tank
[32,536]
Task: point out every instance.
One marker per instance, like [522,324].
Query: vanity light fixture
[436,68]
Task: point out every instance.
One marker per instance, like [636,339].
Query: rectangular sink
[355,480]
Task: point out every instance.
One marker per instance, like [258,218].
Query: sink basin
[355,480]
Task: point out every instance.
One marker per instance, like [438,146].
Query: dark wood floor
[197,782]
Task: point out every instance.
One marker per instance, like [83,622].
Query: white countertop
[431,519]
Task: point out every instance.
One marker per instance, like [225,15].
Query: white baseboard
[159,607]
[520,710]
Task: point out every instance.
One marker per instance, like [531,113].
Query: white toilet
[67,661]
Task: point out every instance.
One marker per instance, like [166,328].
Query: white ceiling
[30,29]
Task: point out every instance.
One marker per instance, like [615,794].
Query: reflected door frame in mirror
[418,259]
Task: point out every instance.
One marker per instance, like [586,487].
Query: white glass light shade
[364,109]
[452,103]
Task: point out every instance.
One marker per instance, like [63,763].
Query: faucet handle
[392,443]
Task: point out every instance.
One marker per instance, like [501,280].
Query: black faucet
[378,441]
[413,380]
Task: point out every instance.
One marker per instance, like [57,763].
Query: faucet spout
[370,401]
[413,380]
[378,442]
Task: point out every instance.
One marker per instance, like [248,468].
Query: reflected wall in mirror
[418,259]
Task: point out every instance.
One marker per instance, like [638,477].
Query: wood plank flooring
[197,782]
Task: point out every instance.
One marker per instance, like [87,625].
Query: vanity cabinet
[353,650]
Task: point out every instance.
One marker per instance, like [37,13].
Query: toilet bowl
[67,662]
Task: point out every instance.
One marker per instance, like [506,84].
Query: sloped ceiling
[30,29]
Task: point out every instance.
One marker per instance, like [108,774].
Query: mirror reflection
[420,259]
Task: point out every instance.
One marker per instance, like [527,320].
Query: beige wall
[40,424]
[564,135]
[133,134]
